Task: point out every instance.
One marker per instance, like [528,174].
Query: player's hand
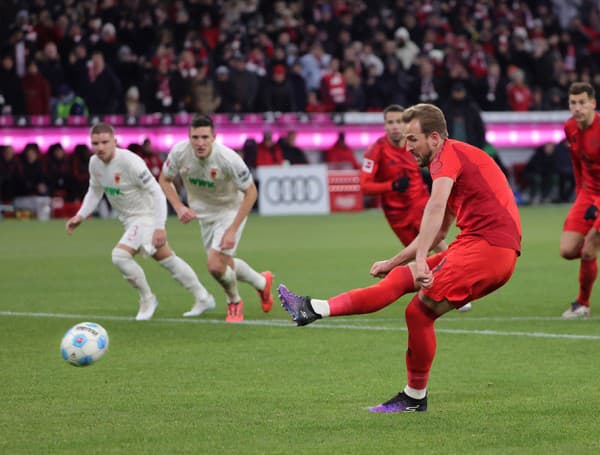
[401,185]
[423,275]
[72,223]
[185,214]
[591,213]
[159,238]
[228,239]
[381,268]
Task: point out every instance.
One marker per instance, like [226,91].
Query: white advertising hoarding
[293,190]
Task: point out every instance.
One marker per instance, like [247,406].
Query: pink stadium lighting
[310,137]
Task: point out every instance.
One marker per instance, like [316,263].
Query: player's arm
[184,213]
[369,169]
[90,202]
[250,195]
[433,221]
[408,254]
[148,183]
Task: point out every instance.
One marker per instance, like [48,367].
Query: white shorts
[212,233]
[138,236]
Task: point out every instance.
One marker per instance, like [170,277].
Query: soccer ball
[84,344]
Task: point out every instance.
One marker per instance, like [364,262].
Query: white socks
[132,272]
[247,274]
[229,282]
[320,307]
[417,394]
[184,274]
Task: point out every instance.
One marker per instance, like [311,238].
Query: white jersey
[130,187]
[214,184]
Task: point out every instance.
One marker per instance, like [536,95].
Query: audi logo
[293,190]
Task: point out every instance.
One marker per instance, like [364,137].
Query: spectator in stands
[340,155]
[278,92]
[541,175]
[35,194]
[59,172]
[407,51]
[427,89]
[163,91]
[245,85]
[490,91]
[10,87]
[224,89]
[268,152]
[203,97]
[298,86]
[80,160]
[518,92]
[76,71]
[464,117]
[104,93]
[313,65]
[10,174]
[292,153]
[133,105]
[51,68]
[333,88]
[69,104]
[355,93]
[36,90]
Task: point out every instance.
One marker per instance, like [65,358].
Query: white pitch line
[286,323]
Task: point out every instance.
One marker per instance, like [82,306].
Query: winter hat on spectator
[222,70]
[402,33]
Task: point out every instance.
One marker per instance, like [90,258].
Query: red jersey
[585,154]
[383,163]
[268,155]
[481,198]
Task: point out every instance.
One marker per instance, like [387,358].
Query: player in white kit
[136,196]
[220,193]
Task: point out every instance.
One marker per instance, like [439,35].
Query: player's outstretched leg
[401,403]
[298,306]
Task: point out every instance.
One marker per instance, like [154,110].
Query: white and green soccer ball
[84,344]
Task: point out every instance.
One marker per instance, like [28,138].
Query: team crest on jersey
[213,173]
[117,178]
[368,165]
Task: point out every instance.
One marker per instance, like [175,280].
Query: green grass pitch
[509,377]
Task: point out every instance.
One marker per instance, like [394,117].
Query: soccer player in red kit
[392,171]
[577,241]
[467,186]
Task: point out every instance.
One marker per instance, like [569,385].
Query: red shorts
[407,226]
[574,221]
[468,270]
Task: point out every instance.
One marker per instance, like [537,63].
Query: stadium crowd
[106,56]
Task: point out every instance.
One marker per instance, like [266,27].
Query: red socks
[368,300]
[588,271]
[421,342]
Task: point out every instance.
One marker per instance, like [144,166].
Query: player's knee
[216,269]
[569,253]
[120,257]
